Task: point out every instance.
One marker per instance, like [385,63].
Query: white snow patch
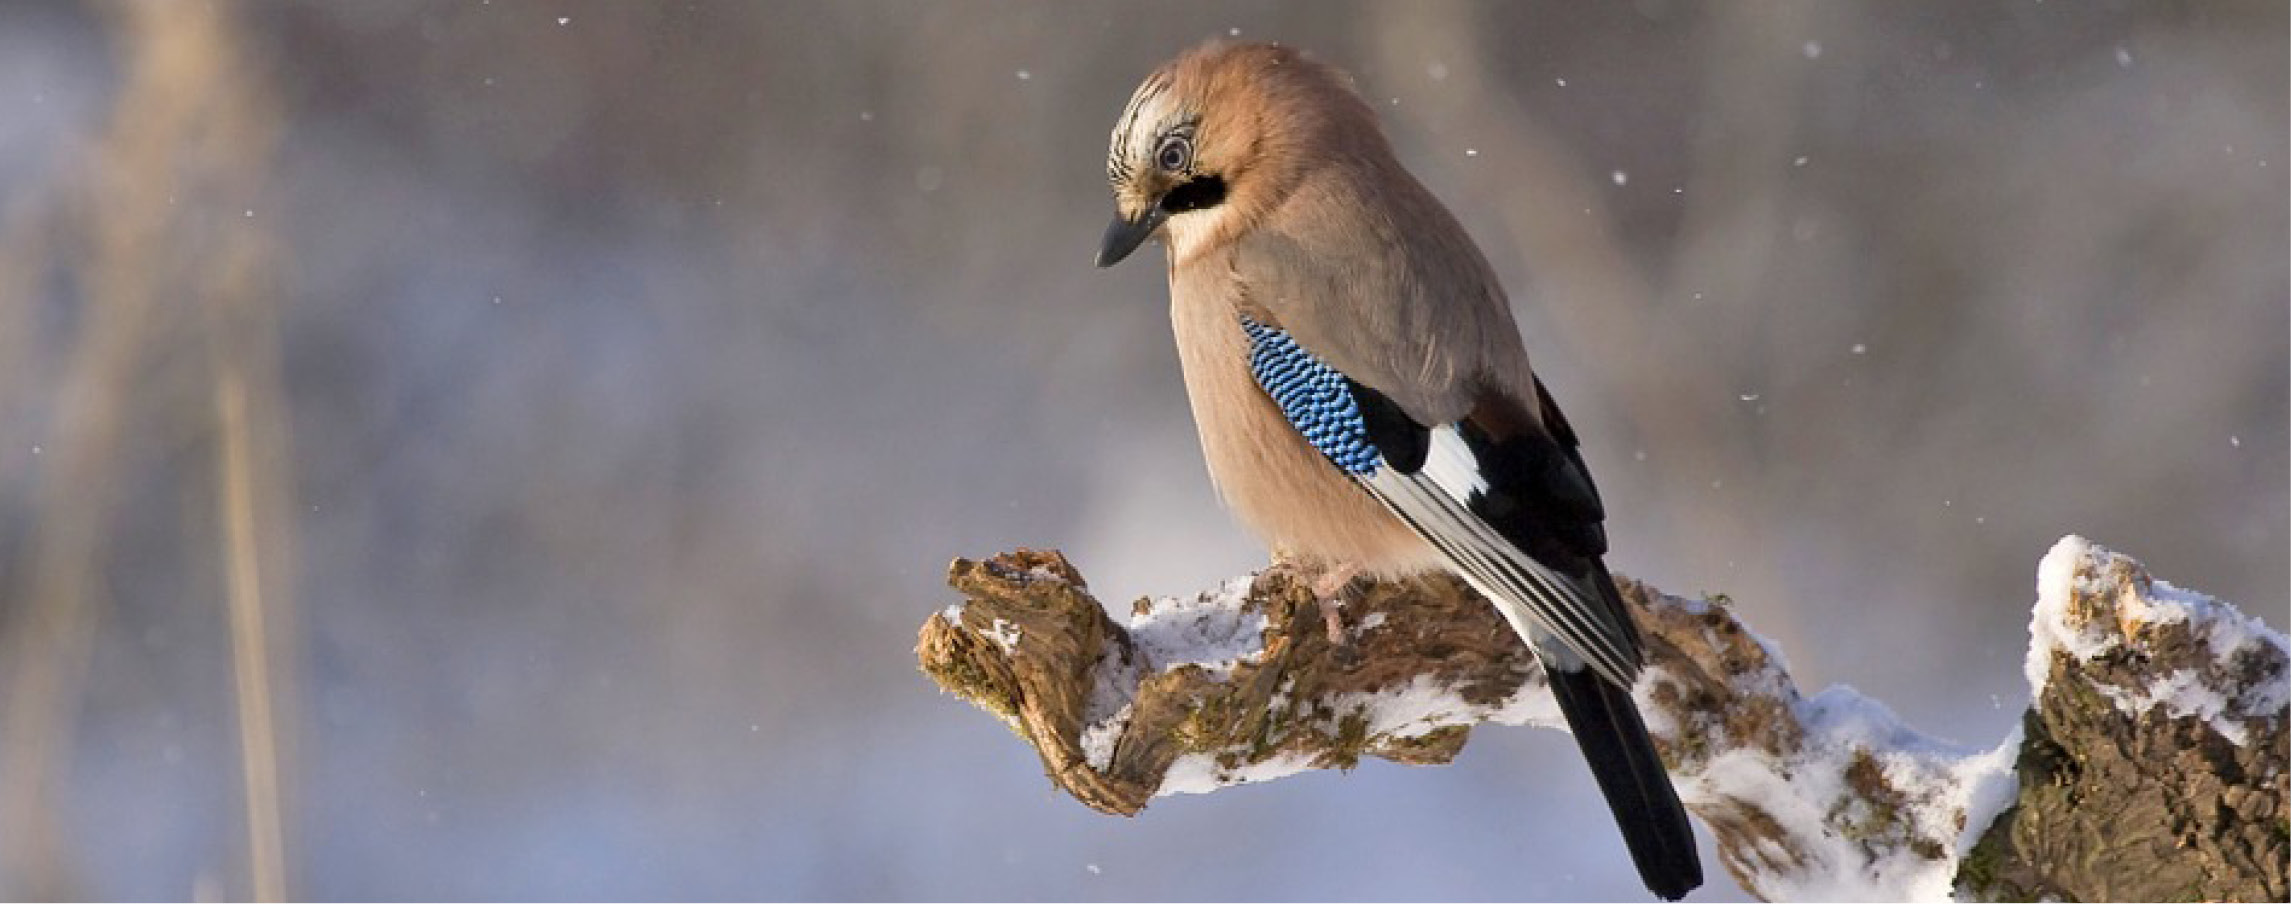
[1809,795]
[1537,708]
[2181,693]
[2075,565]
[1098,738]
[1198,773]
[1658,719]
[1985,786]
[1113,692]
[1424,705]
[2049,630]
[1004,634]
[1213,630]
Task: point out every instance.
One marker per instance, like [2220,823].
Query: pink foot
[1329,589]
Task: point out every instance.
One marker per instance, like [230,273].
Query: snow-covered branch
[2151,764]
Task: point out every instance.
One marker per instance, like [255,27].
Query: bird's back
[1364,266]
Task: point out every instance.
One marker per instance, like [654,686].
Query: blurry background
[505,449]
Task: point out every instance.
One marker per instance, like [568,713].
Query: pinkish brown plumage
[1311,180]
[1362,394]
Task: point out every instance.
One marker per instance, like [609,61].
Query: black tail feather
[1614,740]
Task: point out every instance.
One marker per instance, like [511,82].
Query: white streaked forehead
[1134,132]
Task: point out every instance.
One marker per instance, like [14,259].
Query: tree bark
[2111,791]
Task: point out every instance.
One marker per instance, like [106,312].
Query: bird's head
[1216,138]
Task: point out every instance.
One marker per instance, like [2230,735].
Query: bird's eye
[1174,155]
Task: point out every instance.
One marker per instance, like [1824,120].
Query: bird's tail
[1614,740]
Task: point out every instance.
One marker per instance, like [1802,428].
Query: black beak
[1124,236]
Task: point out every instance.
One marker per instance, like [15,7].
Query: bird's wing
[1516,516]
[1382,284]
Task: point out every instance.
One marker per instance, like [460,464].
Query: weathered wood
[1802,800]
[2149,806]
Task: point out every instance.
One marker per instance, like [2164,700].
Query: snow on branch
[2150,765]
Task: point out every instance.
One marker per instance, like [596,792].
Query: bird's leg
[1329,589]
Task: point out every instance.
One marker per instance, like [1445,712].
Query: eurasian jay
[1363,396]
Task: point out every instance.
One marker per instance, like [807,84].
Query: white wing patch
[1450,463]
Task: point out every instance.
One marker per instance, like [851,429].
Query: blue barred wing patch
[1314,397]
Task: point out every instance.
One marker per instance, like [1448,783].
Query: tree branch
[2152,765]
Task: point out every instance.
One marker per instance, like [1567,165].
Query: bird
[1362,393]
